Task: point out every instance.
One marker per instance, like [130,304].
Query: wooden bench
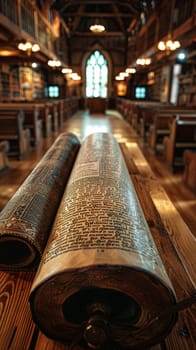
[182,136]
[32,119]
[46,117]
[189,175]
[142,115]
[60,107]
[158,130]
[4,163]
[161,128]
[13,130]
[145,120]
[34,123]
[51,109]
[147,113]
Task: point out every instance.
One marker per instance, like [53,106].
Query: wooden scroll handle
[97,332]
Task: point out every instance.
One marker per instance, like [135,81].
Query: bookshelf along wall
[187,86]
[11,83]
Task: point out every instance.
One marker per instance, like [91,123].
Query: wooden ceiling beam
[99,34]
[77,18]
[118,17]
[97,14]
[106,2]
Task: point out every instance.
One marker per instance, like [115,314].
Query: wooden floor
[17,331]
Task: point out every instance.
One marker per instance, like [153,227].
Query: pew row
[32,119]
[12,129]
[158,130]
[4,162]
[161,127]
[147,115]
[182,136]
[37,118]
[189,174]
[140,114]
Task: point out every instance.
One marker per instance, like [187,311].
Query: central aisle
[83,124]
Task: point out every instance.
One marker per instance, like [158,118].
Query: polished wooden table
[175,243]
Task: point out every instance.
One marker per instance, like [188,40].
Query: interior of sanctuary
[97,175]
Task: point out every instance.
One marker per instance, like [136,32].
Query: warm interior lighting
[119,77]
[168,45]
[7,53]
[28,47]
[54,63]
[143,61]
[75,76]
[124,74]
[34,65]
[130,70]
[97,28]
[66,70]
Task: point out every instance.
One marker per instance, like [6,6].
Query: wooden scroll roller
[101,281]
[26,220]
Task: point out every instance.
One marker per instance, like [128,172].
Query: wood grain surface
[169,209]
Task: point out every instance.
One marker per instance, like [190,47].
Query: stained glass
[96,75]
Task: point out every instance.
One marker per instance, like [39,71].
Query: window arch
[96,75]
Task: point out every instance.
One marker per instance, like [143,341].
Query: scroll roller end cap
[96,333]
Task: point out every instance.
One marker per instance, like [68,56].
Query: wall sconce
[143,61]
[34,65]
[75,76]
[124,75]
[54,63]
[118,77]
[28,47]
[130,70]
[66,70]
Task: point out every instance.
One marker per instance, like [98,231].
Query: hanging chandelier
[168,45]
[28,47]
[97,28]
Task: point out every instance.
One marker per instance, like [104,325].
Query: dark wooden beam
[106,2]
[118,17]
[77,17]
[99,34]
[98,14]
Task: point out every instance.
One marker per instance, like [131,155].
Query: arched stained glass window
[96,75]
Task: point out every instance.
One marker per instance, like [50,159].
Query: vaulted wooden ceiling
[118,17]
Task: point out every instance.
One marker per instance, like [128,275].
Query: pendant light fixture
[169,44]
[97,26]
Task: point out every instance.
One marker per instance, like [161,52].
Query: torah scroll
[26,220]
[101,279]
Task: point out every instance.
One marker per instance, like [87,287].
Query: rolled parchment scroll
[101,281]
[26,220]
